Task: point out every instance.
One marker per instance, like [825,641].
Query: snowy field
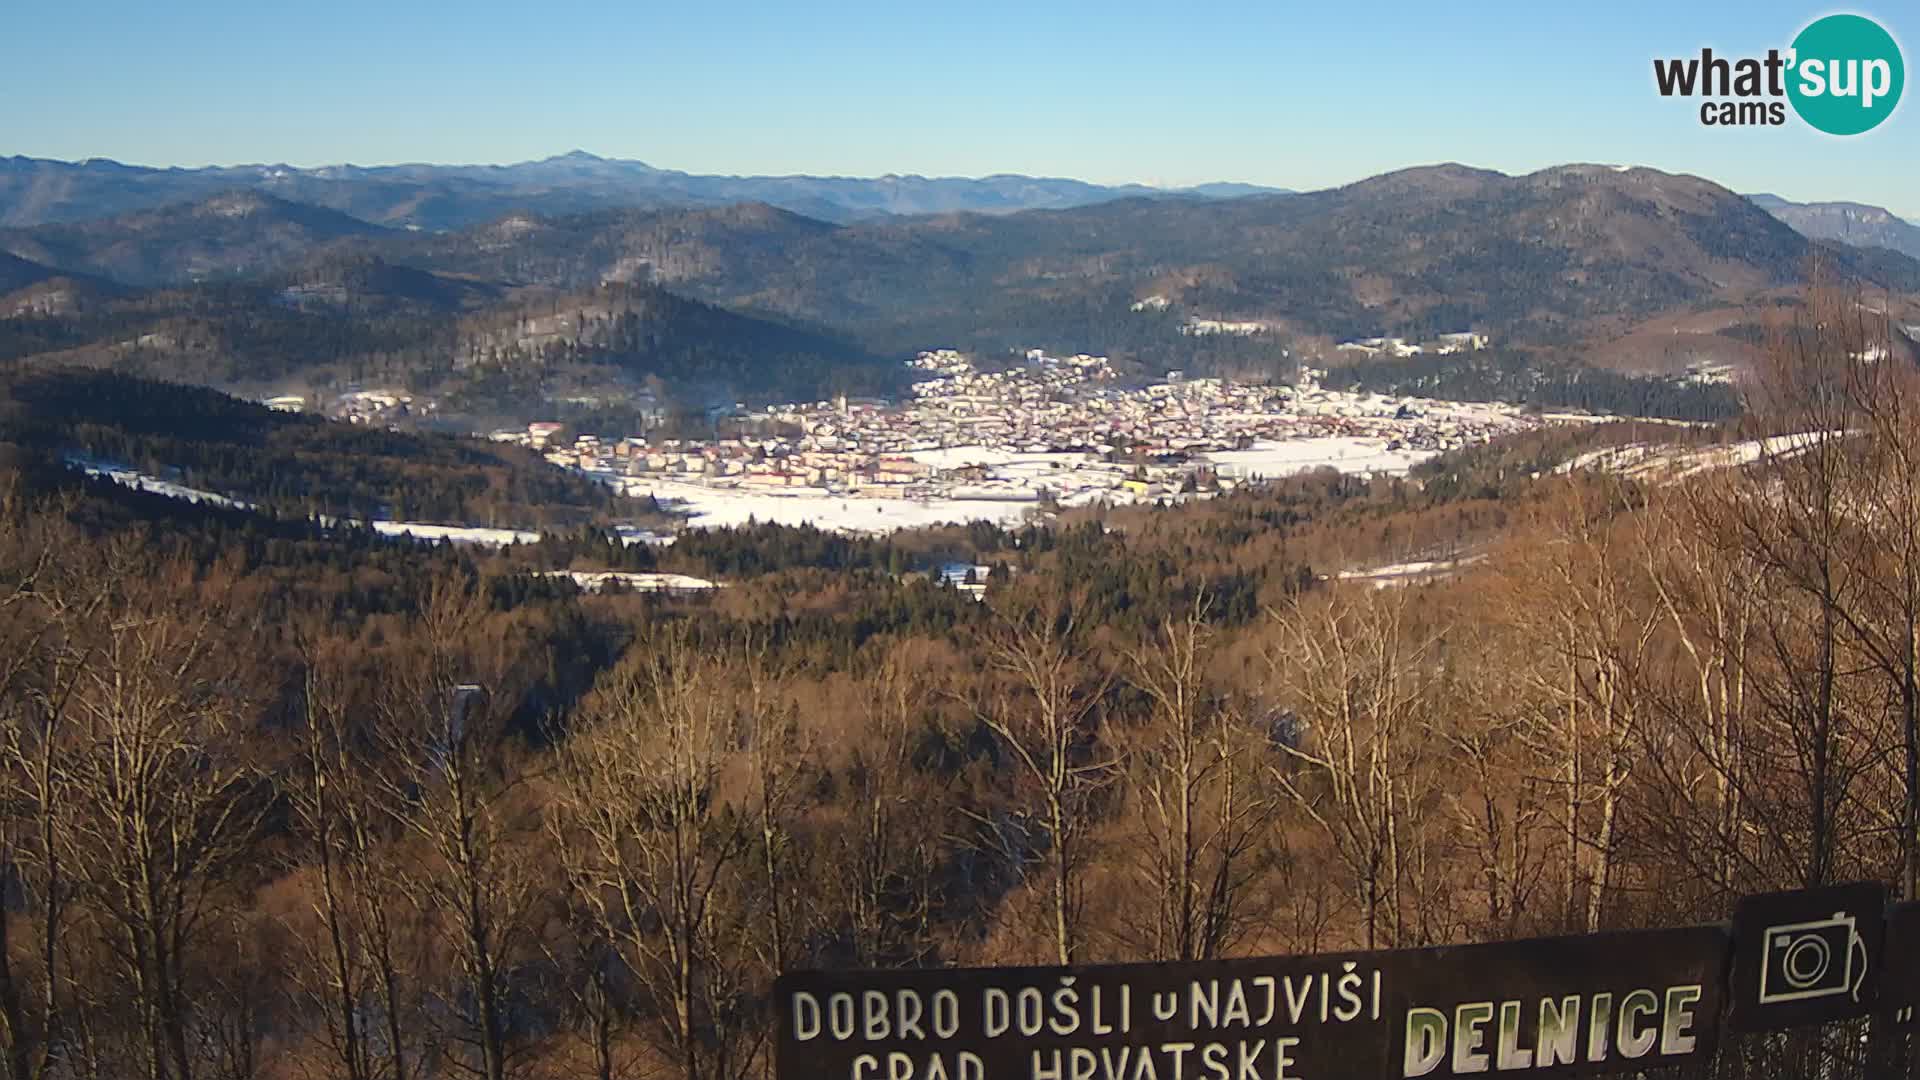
[718,507]
[1074,479]
[1348,454]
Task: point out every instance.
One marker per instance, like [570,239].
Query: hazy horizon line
[1911,215]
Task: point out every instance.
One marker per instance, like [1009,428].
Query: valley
[522,618]
[1030,439]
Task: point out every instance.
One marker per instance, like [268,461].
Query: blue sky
[1277,92]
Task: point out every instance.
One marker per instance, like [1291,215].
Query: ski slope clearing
[139,481]
[634,581]
[1668,463]
[415,530]
[1411,573]
[459,534]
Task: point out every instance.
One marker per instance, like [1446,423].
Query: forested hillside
[288,464]
[343,322]
[644,332]
[280,803]
[229,235]
[1541,258]
[1506,375]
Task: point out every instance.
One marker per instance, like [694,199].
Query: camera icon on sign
[1812,960]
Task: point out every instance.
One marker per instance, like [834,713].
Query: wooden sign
[1595,1003]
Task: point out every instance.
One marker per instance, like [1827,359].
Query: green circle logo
[1846,76]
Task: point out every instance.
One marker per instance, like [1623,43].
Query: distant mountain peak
[1588,168]
[1854,223]
[1446,178]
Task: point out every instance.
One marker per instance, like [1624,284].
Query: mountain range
[1551,257]
[37,191]
[1641,269]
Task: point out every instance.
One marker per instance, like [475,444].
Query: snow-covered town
[1051,431]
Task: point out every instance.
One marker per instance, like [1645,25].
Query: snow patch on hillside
[129,477]
[1667,463]
[459,534]
[634,581]
[1409,573]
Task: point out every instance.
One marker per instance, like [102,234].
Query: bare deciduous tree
[448,782]
[1573,594]
[1204,807]
[172,797]
[46,597]
[1360,679]
[887,854]
[652,847]
[1046,719]
[355,977]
